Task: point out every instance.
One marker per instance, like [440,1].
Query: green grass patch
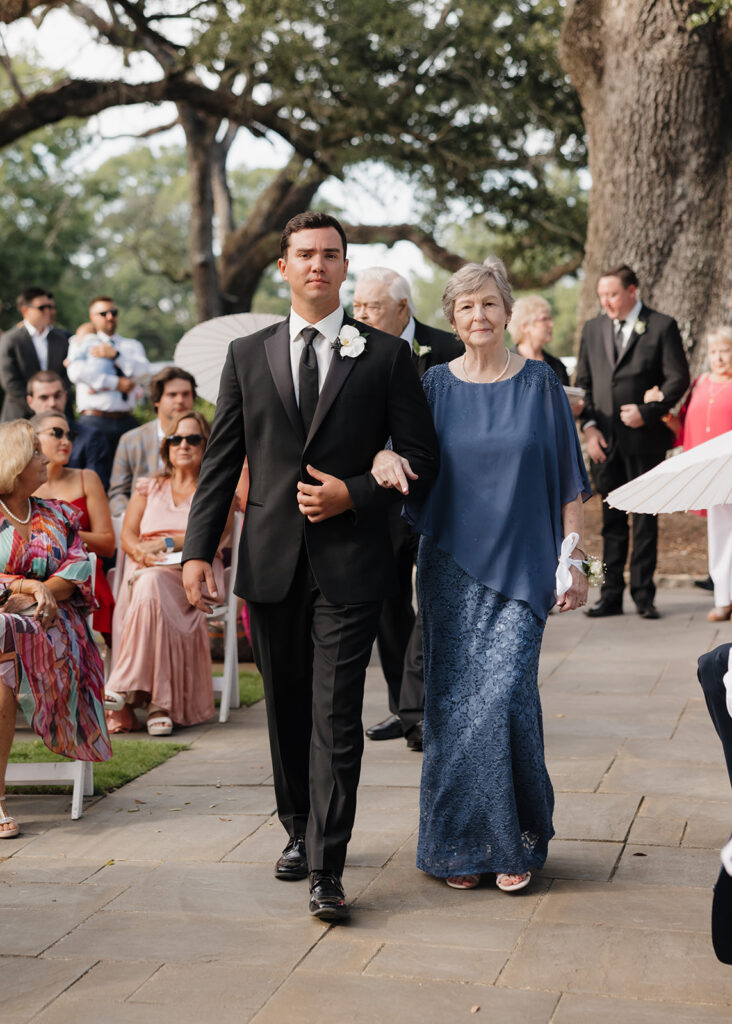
[250,688]
[130,758]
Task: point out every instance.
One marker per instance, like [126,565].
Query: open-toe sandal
[504,886]
[160,725]
[463,881]
[113,701]
[7,820]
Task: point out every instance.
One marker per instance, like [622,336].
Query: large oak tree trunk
[657,102]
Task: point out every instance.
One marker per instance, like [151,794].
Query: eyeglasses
[59,432]
[45,306]
[193,439]
[108,312]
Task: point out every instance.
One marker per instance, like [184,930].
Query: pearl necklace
[468,379]
[23,522]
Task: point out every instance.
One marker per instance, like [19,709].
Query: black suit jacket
[654,357]
[363,401]
[18,363]
[443,347]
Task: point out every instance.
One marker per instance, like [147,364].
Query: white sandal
[113,701]
[501,881]
[7,833]
[160,725]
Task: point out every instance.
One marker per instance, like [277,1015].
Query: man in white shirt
[33,345]
[107,400]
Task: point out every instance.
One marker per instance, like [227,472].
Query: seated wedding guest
[161,645]
[172,392]
[510,488]
[46,390]
[83,489]
[532,325]
[707,413]
[49,663]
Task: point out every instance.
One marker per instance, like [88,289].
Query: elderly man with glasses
[34,345]
[106,373]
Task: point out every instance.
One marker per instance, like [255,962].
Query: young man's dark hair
[625,273]
[305,221]
[29,294]
[157,384]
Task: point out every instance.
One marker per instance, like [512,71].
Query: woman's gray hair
[17,443]
[471,278]
[40,418]
[721,333]
[527,309]
[398,286]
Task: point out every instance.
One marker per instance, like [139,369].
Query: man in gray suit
[172,392]
[33,345]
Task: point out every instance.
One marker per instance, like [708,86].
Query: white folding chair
[80,774]
[227,685]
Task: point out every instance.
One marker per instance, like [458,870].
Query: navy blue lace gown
[491,531]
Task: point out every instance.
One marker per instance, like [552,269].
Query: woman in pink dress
[707,413]
[83,489]
[161,645]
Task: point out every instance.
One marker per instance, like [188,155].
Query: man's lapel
[152,454]
[29,354]
[338,371]
[608,340]
[57,349]
[277,349]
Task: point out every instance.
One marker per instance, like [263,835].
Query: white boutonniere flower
[640,327]
[349,342]
[421,350]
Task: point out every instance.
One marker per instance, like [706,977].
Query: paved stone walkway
[159,905]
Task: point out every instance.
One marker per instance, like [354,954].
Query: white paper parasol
[202,350]
[696,479]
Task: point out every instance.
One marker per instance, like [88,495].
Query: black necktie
[619,337]
[308,377]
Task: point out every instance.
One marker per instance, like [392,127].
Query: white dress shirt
[40,343]
[408,332]
[628,324]
[99,390]
[328,327]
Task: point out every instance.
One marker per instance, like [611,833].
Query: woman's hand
[149,552]
[391,470]
[47,609]
[576,596]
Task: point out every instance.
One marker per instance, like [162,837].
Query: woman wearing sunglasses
[162,655]
[83,489]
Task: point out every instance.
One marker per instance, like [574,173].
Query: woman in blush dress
[49,663]
[83,489]
[506,504]
[161,645]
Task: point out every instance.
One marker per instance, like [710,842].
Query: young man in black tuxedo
[310,401]
[625,352]
[382,298]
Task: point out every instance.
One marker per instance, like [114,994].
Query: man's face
[40,313]
[315,268]
[177,398]
[616,300]
[103,317]
[47,396]
[373,304]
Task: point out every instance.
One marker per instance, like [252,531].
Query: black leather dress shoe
[389,729]
[415,737]
[293,864]
[648,611]
[327,898]
[604,608]
[707,584]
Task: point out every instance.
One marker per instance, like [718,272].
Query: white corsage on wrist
[590,565]
[349,342]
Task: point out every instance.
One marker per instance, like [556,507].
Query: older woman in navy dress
[510,487]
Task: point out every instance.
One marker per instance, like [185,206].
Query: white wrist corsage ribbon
[564,576]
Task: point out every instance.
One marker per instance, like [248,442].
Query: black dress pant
[399,639]
[313,656]
[620,468]
[712,668]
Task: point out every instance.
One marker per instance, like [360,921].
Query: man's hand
[125,384]
[324,500]
[391,470]
[631,416]
[103,351]
[196,575]
[596,444]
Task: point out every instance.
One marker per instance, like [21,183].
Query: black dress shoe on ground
[707,584]
[327,899]
[415,737]
[293,864]
[604,608]
[389,729]
[648,611]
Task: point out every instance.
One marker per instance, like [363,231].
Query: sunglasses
[59,432]
[193,439]
[109,312]
[45,307]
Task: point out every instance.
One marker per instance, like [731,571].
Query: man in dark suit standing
[30,347]
[382,298]
[624,353]
[310,401]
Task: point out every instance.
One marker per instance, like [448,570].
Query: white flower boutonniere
[640,327]
[349,342]
[421,350]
